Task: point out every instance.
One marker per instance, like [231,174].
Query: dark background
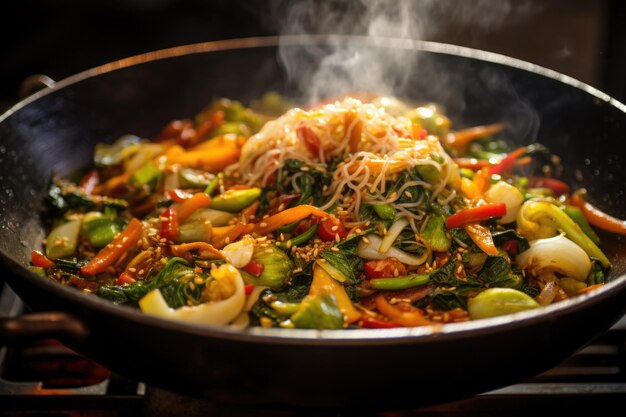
[581,38]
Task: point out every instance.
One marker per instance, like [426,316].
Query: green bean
[400,283]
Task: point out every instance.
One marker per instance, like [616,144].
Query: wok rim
[352,337]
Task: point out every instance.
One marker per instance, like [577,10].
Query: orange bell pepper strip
[197,201]
[114,250]
[39,259]
[481,236]
[411,317]
[288,216]
[597,217]
[589,288]
[323,283]
[222,236]
[474,189]
[461,139]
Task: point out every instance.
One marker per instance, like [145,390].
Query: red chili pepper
[597,217]
[384,268]
[507,162]
[39,259]
[330,227]
[254,268]
[248,288]
[374,323]
[178,196]
[557,186]
[124,278]
[309,138]
[475,214]
[510,246]
[89,181]
[169,224]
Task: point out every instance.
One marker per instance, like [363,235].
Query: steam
[322,72]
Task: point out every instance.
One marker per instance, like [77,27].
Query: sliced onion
[558,254]
[371,251]
[212,313]
[502,192]
[392,234]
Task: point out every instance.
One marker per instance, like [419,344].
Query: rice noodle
[385,149]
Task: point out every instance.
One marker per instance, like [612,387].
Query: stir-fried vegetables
[346,215]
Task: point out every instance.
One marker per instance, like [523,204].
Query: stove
[46,378]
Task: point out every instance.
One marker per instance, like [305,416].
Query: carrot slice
[114,250]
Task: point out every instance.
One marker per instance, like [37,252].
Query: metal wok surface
[54,132]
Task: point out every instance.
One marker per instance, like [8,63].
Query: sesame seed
[281,207]
[263,224]
[304,169]
[227,240]
[337,238]
[192,286]
[132,269]
[162,240]
[282,237]
[266,216]
[197,280]
[365,240]
[125,238]
[119,245]
[289,243]
[141,272]
[396,272]
[358,231]
[335,249]
[408,194]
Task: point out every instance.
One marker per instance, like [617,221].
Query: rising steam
[322,72]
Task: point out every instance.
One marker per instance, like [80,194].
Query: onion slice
[392,234]
[212,314]
[558,254]
[371,250]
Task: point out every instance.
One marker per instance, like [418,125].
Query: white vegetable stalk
[392,234]
[502,192]
[213,314]
[558,254]
[239,254]
[371,250]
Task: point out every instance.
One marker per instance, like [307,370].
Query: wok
[55,130]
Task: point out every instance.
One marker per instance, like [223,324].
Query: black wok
[55,130]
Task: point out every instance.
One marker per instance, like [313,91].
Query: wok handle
[29,327]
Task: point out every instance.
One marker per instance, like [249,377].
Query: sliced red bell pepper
[169,224]
[597,217]
[507,162]
[89,181]
[510,246]
[557,186]
[114,250]
[179,196]
[248,288]
[309,138]
[254,268]
[39,259]
[475,214]
[124,278]
[330,227]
